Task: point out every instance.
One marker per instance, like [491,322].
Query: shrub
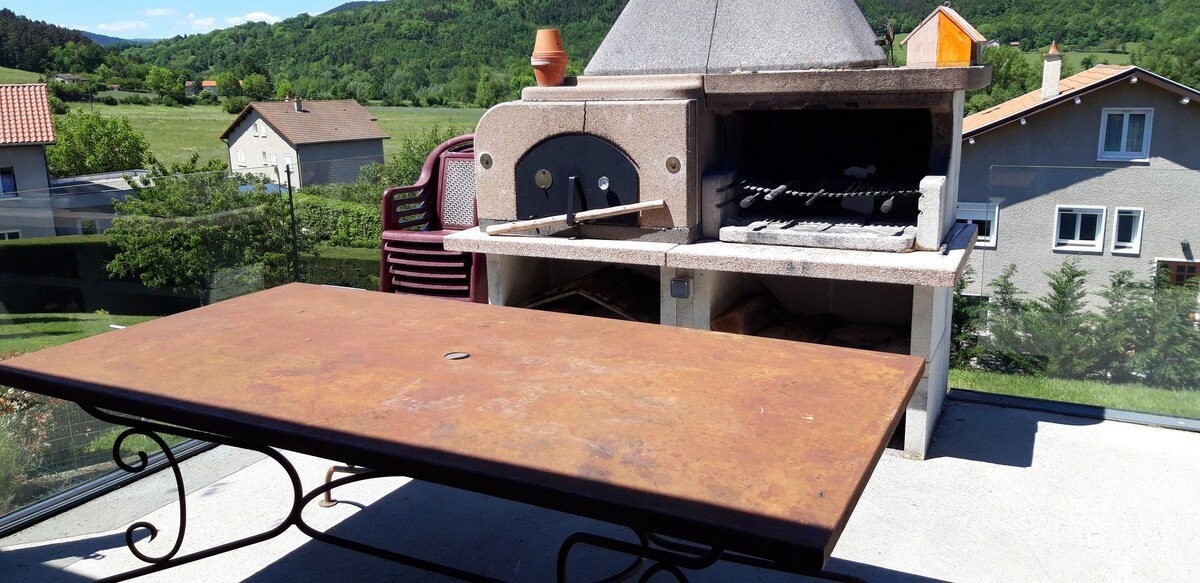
[335,267]
[109,100]
[207,98]
[136,100]
[58,107]
[338,222]
[235,105]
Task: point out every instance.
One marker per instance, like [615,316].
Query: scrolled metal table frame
[665,556]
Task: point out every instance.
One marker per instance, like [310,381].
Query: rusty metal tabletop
[754,445]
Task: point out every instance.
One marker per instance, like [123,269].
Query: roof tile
[1026,102]
[25,116]
[342,120]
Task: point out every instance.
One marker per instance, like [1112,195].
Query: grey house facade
[321,142]
[26,128]
[1103,166]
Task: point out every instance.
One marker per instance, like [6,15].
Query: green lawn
[1115,396]
[30,332]
[17,76]
[175,133]
[400,122]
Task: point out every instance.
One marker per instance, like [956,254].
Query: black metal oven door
[572,173]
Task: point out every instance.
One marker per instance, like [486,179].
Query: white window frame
[4,235]
[1064,244]
[241,158]
[287,161]
[1123,156]
[274,159]
[1135,246]
[265,158]
[977,212]
[260,129]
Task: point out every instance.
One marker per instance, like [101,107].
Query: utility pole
[295,242]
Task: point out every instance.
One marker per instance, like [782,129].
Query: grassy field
[1116,396]
[30,332]
[175,133]
[17,76]
[1074,60]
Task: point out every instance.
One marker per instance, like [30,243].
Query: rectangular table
[750,445]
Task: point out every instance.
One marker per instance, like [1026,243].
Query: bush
[58,107]
[235,105]
[207,98]
[339,267]
[1144,335]
[136,100]
[337,222]
[109,100]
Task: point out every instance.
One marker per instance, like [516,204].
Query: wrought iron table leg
[172,558]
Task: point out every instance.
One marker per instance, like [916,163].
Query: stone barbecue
[793,185]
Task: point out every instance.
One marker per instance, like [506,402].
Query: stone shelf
[929,268]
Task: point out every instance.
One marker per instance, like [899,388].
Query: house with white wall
[26,128]
[321,142]
[1102,166]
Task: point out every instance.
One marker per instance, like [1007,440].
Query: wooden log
[747,315]
[579,216]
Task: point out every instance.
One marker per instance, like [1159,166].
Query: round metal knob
[485,160]
[673,164]
[602,184]
[543,179]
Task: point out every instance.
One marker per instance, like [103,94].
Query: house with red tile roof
[26,128]
[321,142]
[1102,166]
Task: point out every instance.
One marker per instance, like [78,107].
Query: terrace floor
[1007,495]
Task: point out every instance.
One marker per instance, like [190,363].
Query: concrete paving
[1007,495]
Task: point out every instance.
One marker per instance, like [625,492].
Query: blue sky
[161,19]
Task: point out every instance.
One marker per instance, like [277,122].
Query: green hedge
[337,222]
[344,266]
[49,274]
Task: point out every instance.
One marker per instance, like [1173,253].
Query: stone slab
[627,252]
[928,268]
[858,236]
[883,80]
[620,88]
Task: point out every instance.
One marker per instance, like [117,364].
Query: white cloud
[202,24]
[161,12]
[121,25]
[252,17]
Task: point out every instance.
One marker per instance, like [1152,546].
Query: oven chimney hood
[654,37]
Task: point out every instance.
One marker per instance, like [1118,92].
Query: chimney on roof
[1051,72]
[299,105]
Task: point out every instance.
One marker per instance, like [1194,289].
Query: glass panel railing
[94,254]
[1104,315]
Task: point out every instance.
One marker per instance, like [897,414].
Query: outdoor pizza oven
[773,155]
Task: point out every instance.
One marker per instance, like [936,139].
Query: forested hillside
[25,44]
[427,51]
[475,51]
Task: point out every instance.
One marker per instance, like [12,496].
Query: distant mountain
[25,44]
[108,41]
[350,6]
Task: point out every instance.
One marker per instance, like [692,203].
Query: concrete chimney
[299,105]
[1051,72]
